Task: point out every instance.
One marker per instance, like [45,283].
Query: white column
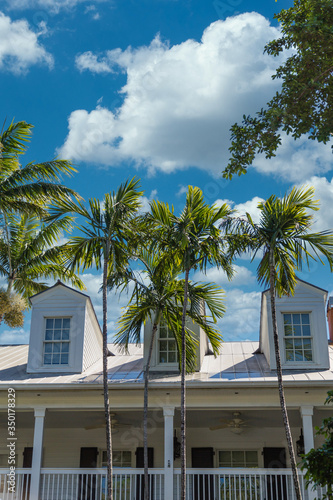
[37,453]
[307,413]
[168,413]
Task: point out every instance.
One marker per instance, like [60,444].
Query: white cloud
[323,219]
[241,320]
[180,100]
[242,276]
[20,47]
[297,160]
[250,206]
[15,336]
[145,202]
[89,61]
[51,5]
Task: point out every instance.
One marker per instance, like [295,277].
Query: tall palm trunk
[105,384]
[279,376]
[145,415]
[183,394]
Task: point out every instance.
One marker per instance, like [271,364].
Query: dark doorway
[27,464]
[140,479]
[87,482]
[275,458]
[203,486]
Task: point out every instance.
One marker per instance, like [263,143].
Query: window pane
[288,330]
[56,347]
[48,334]
[308,355]
[64,359]
[287,319]
[163,357]
[298,343]
[66,322]
[251,458]
[48,348]
[299,355]
[296,319]
[49,323]
[289,344]
[306,331]
[307,344]
[47,359]
[163,345]
[225,458]
[65,335]
[305,319]
[238,456]
[172,357]
[56,359]
[297,331]
[172,345]
[127,459]
[58,323]
[57,334]
[116,455]
[64,347]
[289,355]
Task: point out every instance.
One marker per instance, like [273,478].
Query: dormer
[65,336]
[301,328]
[165,356]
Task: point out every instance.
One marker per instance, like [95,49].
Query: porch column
[307,413]
[168,413]
[37,453]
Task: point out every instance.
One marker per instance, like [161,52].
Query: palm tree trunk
[279,376]
[145,416]
[183,395]
[105,384]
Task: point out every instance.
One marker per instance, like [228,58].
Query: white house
[236,446]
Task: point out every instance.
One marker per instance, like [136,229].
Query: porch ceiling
[88,419]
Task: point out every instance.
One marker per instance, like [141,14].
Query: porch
[211,484]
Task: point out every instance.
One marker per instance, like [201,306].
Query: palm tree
[103,245]
[194,241]
[159,295]
[27,254]
[29,189]
[283,236]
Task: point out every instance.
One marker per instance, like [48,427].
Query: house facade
[52,437]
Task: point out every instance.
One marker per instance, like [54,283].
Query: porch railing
[15,486]
[240,484]
[91,484]
[210,484]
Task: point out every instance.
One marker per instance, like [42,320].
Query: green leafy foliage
[304,103]
[318,463]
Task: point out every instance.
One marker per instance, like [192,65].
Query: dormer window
[167,346]
[56,341]
[297,337]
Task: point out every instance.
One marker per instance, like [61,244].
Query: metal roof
[238,362]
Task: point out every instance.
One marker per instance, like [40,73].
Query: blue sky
[151,88]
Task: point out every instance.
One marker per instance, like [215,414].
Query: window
[119,458]
[56,342]
[167,345]
[297,337]
[239,458]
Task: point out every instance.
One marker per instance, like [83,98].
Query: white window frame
[53,342]
[104,463]
[244,451]
[298,337]
[158,348]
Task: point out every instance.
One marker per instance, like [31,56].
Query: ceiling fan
[235,424]
[99,421]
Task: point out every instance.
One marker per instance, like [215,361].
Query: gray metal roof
[238,362]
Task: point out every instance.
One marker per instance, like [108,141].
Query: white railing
[210,484]
[15,486]
[240,484]
[91,484]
